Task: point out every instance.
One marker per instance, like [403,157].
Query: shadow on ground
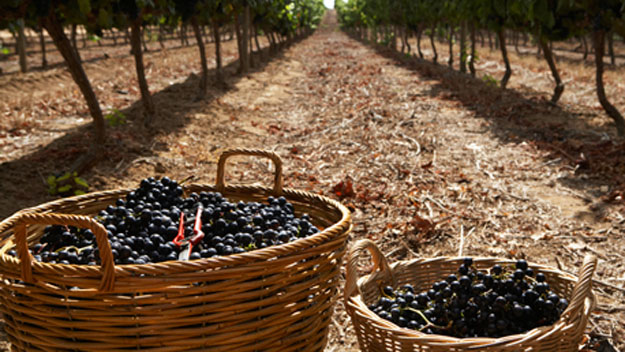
[565,133]
[22,181]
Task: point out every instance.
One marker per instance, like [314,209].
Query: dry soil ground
[423,155]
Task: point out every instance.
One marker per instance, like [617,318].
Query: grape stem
[427,321]
[384,294]
[186,179]
[78,250]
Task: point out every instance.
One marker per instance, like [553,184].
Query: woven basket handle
[582,290]
[106,256]
[351,274]
[221,167]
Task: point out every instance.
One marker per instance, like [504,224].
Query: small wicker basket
[278,298]
[377,334]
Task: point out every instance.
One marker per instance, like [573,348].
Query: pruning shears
[188,243]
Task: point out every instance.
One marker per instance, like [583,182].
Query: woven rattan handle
[379,263]
[221,167]
[582,290]
[106,256]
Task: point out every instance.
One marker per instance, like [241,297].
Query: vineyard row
[547,21]
[280,21]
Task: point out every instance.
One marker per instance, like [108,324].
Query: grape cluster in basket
[142,227]
[502,301]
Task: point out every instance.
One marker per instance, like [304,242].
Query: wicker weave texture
[273,299]
[377,334]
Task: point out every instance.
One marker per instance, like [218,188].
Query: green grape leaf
[84,6]
[500,8]
[516,8]
[65,177]
[81,182]
[542,13]
[104,19]
[65,188]
[79,192]
[51,180]
[551,21]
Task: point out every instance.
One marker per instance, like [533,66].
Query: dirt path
[421,154]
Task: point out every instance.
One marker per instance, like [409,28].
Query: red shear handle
[180,237]
[197,238]
[198,220]
[197,228]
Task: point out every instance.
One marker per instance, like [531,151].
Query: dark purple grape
[540,277]
[496,269]
[465,282]
[521,264]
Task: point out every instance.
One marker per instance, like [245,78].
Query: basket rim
[328,234]
[357,305]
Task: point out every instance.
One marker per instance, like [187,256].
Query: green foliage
[115,118]
[490,80]
[553,19]
[281,16]
[84,6]
[66,184]
[153,37]
[476,57]
[464,57]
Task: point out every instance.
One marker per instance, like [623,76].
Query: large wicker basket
[274,299]
[377,334]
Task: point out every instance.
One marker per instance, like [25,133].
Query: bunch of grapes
[141,227]
[499,302]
